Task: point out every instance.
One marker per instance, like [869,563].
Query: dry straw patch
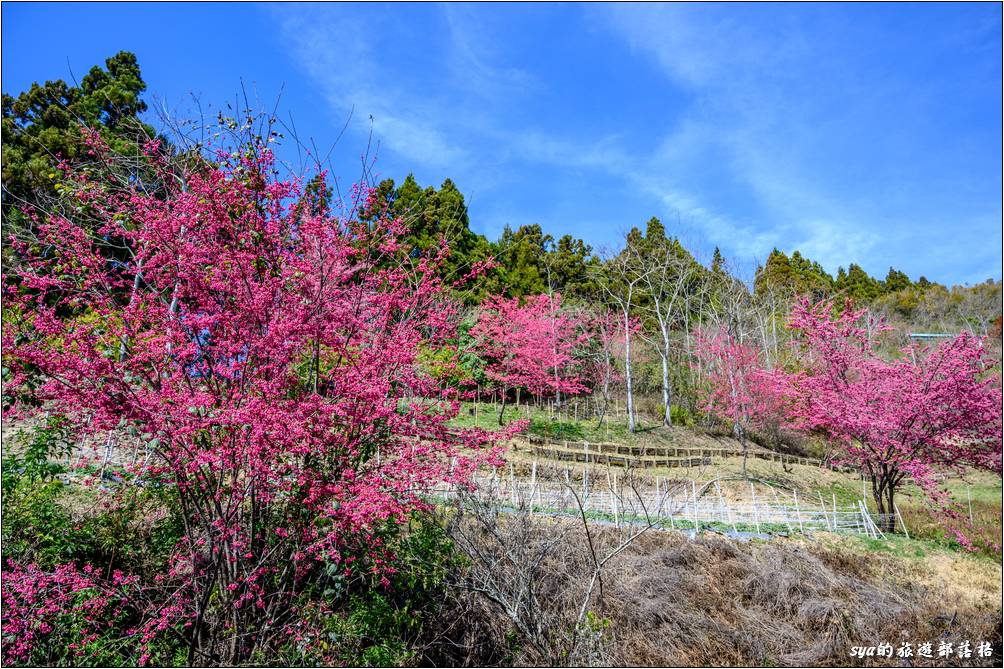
[673,601]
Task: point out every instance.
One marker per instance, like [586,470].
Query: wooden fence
[622,455]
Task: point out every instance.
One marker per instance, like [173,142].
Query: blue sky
[855,133]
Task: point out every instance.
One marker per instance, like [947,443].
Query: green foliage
[896,280]
[717,261]
[34,524]
[472,364]
[792,276]
[356,620]
[36,527]
[46,522]
[932,307]
[434,217]
[364,622]
[46,442]
[902,303]
[44,122]
[521,268]
[444,364]
[682,415]
[133,529]
[555,429]
[527,261]
[798,275]
[856,284]
[571,267]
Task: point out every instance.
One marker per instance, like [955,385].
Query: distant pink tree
[739,388]
[530,346]
[608,340]
[912,418]
[269,356]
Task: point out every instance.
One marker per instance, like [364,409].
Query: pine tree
[45,122]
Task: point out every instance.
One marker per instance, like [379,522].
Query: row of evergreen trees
[42,124]
[803,275]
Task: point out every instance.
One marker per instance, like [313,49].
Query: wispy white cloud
[474,58]
[746,116]
[466,131]
[334,49]
[757,152]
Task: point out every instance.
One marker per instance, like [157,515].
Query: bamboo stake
[108,455]
[568,487]
[778,503]
[613,507]
[617,505]
[721,500]
[864,519]
[822,505]
[512,485]
[756,513]
[693,492]
[798,514]
[533,483]
[537,488]
[901,523]
[876,532]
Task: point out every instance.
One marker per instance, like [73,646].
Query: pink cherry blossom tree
[268,353]
[530,346]
[928,412]
[739,388]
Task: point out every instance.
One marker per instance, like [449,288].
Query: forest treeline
[40,127]
[653,285]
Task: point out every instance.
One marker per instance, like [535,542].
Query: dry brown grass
[672,601]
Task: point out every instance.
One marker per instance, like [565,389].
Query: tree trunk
[891,509]
[606,387]
[502,410]
[627,372]
[884,494]
[737,428]
[667,416]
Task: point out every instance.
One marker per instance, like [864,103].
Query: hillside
[255,415]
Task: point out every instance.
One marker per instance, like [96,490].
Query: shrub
[267,353]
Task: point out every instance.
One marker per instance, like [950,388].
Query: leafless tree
[667,278]
[622,280]
[543,574]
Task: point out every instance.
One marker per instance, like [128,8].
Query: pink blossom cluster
[39,608]
[740,388]
[925,413]
[267,354]
[532,344]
